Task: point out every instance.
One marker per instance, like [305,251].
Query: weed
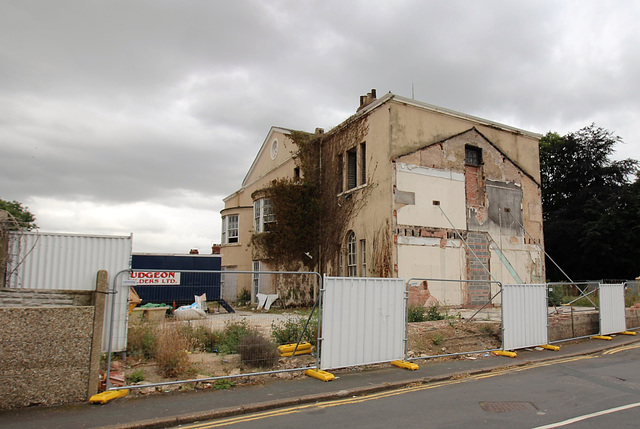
[258,351]
[142,340]
[233,333]
[201,338]
[223,384]
[245,297]
[437,339]
[487,329]
[289,331]
[136,376]
[416,313]
[433,313]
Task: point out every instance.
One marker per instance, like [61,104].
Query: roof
[426,106]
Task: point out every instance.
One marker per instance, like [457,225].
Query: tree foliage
[20,216]
[591,207]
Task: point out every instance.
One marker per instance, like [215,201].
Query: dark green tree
[591,207]
[21,217]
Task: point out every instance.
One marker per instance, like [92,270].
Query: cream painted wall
[429,184]
[413,128]
[424,258]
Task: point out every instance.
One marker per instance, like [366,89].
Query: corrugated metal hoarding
[38,260]
[363,321]
[524,316]
[612,312]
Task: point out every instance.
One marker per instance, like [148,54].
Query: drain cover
[506,407]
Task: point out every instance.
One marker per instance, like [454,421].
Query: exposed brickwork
[477,259]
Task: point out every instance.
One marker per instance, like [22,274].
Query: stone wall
[50,345]
[44,355]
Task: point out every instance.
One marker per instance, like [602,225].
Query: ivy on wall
[312,212]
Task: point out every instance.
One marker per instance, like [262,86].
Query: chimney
[365,100]
[193,252]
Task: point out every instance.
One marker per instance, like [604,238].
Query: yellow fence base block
[550,347]
[104,397]
[505,353]
[320,375]
[298,352]
[601,337]
[289,348]
[628,333]
[404,364]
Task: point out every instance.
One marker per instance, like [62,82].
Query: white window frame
[263,215]
[352,255]
[363,258]
[230,229]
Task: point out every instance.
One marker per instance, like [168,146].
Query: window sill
[352,190]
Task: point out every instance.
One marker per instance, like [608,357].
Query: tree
[590,206]
[20,216]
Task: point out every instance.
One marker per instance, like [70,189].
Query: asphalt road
[591,391]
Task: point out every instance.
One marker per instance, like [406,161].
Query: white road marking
[588,416]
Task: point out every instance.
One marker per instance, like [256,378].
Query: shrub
[245,296]
[201,338]
[172,356]
[142,340]
[233,333]
[433,313]
[416,313]
[556,296]
[258,351]
[288,331]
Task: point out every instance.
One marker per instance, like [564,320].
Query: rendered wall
[45,355]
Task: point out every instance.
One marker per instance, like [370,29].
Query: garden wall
[50,345]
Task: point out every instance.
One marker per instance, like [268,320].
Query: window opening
[472,155]
[230,229]
[352,166]
[363,256]
[363,163]
[264,215]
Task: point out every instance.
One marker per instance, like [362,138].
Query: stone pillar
[98,303]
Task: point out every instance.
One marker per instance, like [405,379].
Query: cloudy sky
[135,116]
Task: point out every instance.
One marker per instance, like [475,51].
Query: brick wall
[477,293]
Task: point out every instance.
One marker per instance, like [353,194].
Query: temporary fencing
[362,321]
[175,340]
[352,322]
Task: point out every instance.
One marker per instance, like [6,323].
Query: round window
[274,149]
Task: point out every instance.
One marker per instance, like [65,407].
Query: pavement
[174,408]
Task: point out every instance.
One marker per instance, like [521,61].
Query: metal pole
[111,321]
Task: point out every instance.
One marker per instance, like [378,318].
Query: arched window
[352,259]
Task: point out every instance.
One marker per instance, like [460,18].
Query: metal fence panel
[612,312]
[362,321]
[524,319]
[38,260]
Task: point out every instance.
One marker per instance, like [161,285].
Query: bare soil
[434,340]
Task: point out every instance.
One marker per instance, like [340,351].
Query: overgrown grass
[172,355]
[142,341]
